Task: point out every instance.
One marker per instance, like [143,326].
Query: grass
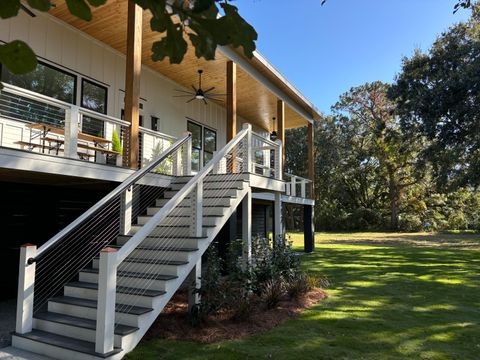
[393,296]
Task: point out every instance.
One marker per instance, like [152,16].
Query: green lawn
[393,296]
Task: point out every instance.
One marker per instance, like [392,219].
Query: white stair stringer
[69,325]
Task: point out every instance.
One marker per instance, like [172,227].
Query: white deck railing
[41,124]
[297,186]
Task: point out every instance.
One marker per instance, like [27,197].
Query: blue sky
[325,50]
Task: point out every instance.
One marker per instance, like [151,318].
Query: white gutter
[245,65]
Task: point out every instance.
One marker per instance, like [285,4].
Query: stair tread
[122,308]
[162,248]
[120,289]
[82,322]
[157,262]
[135,274]
[187,206]
[65,342]
[170,237]
[182,216]
[177,226]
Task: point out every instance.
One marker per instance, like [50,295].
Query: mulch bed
[174,323]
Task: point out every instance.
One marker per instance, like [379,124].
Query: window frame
[205,128]
[53,67]
[84,80]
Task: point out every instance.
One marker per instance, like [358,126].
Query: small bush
[272,292]
[317,281]
[298,285]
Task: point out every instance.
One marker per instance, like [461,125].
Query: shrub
[272,292]
[298,285]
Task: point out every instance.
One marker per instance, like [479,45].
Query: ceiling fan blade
[213,87]
[190,100]
[183,91]
[194,88]
[217,94]
[189,95]
[205,101]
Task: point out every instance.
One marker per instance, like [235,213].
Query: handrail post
[293,186]
[70,146]
[303,189]
[126,200]
[177,163]
[187,156]
[248,149]
[278,160]
[26,282]
[107,287]
[196,199]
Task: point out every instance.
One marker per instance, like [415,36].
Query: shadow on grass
[386,302]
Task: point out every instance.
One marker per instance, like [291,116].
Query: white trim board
[286,199]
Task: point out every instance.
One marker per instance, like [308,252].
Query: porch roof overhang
[259,84]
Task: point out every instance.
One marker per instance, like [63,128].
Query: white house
[114,181]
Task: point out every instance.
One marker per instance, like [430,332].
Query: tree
[438,97]
[198,20]
[369,117]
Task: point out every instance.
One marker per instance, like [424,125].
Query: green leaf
[18,57]
[204,46]
[42,5]
[80,9]
[173,45]
[97,2]
[9,8]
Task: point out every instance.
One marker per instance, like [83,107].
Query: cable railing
[266,157]
[59,260]
[41,124]
[298,186]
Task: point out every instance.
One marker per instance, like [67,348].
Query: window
[209,144]
[196,131]
[204,144]
[46,80]
[155,123]
[94,97]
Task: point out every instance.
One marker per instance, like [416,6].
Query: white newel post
[194,284]
[107,286]
[196,200]
[303,188]
[247,229]
[126,211]
[278,220]
[293,186]
[278,161]
[26,282]
[248,151]
[187,157]
[177,163]
[71,132]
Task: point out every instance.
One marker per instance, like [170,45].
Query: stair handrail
[129,181]
[146,229]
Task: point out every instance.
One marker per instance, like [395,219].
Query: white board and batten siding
[68,48]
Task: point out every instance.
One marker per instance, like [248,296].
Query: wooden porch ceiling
[255,102]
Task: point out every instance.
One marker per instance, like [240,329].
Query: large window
[196,131]
[204,144]
[46,80]
[94,97]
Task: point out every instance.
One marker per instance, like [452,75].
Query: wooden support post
[71,133]
[311,160]
[26,282]
[132,81]
[309,228]
[107,289]
[126,211]
[281,128]
[247,229]
[231,107]
[194,284]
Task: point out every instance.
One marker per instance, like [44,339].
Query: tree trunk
[393,193]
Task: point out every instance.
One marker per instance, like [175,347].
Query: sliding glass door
[204,144]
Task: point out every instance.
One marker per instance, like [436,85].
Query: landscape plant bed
[175,323]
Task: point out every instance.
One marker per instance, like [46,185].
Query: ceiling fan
[199,93]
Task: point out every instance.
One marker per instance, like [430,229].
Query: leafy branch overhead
[206,23]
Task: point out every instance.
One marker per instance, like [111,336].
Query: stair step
[158,262]
[82,323]
[208,220]
[161,248]
[120,289]
[64,342]
[135,275]
[122,308]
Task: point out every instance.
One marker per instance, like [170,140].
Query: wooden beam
[281,127]
[311,159]
[231,100]
[132,82]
